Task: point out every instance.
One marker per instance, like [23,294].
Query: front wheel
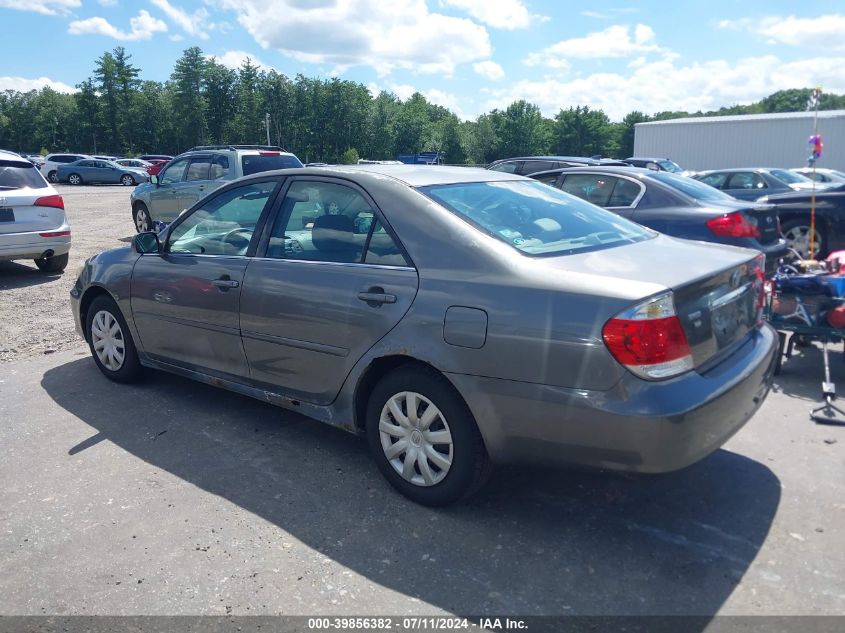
[53,176]
[110,342]
[424,439]
[75,179]
[797,235]
[127,181]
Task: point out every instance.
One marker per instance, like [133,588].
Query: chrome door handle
[225,283]
[376,297]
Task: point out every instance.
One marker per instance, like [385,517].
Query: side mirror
[154,179]
[145,243]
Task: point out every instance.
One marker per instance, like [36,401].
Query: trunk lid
[715,287]
[19,214]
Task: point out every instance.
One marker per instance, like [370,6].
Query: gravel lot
[175,498]
[34,311]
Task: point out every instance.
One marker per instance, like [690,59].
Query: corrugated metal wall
[754,141]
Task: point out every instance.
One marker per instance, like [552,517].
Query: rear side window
[533,166]
[714,180]
[255,163]
[198,169]
[15,175]
[219,168]
[508,168]
[746,180]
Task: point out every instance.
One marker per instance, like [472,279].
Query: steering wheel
[242,241]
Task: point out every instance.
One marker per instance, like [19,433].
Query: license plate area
[732,316]
[7,214]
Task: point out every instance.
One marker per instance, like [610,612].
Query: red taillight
[50,201]
[649,340]
[760,282]
[55,234]
[733,225]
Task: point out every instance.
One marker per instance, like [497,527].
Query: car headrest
[334,234]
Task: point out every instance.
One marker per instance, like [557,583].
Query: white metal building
[750,140]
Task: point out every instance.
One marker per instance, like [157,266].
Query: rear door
[332,281]
[185,300]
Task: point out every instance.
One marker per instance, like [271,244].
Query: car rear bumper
[636,426]
[31,245]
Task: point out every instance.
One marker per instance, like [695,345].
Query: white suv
[33,223]
[52,161]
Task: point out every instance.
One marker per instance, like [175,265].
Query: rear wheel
[424,439]
[75,179]
[110,342]
[53,176]
[143,221]
[55,264]
[127,181]
[797,235]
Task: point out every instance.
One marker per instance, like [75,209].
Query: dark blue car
[675,205]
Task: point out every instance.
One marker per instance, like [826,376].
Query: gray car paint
[542,383]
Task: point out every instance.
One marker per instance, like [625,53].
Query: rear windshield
[671,166]
[789,177]
[254,163]
[693,188]
[536,219]
[20,175]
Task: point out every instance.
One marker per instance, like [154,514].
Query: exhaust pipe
[46,254]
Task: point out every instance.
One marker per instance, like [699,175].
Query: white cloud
[826,32]
[382,34]
[489,70]
[47,7]
[662,85]
[236,59]
[609,13]
[176,38]
[447,100]
[143,27]
[22,84]
[108,3]
[500,14]
[614,41]
[192,23]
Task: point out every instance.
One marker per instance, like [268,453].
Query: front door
[185,300]
[332,282]
[165,204]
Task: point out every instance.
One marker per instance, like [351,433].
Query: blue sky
[468,55]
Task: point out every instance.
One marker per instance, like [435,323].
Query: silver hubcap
[415,438]
[107,338]
[141,222]
[74,180]
[798,238]
[127,180]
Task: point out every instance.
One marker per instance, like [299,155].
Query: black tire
[127,180]
[130,370]
[74,179]
[470,467]
[52,264]
[802,226]
[141,218]
[53,176]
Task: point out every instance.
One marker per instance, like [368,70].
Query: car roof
[411,175]
[653,158]
[734,169]
[14,157]
[637,172]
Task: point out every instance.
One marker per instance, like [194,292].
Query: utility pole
[267,125]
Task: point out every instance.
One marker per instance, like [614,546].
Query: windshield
[788,177]
[670,165]
[20,175]
[255,163]
[692,188]
[536,219]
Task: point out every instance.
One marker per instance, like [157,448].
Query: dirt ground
[35,314]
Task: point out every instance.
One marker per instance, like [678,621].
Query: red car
[157,165]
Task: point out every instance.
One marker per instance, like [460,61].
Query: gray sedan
[455,317]
[93,171]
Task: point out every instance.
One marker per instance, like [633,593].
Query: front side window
[86,163]
[321,221]
[174,172]
[198,169]
[224,224]
[536,219]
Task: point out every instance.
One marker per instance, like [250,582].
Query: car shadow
[16,275]
[802,374]
[532,542]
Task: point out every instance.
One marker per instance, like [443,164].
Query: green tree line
[115,111]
